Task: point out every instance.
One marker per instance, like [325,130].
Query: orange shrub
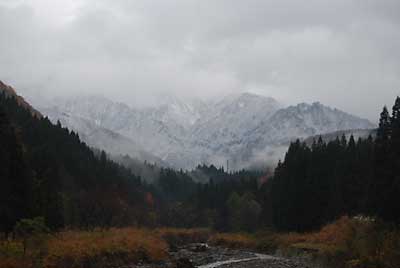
[11,255]
[12,262]
[117,247]
[389,253]
[337,233]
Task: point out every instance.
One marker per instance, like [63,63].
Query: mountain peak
[247,96]
[243,128]
[249,100]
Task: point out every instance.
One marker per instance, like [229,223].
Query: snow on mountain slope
[304,120]
[245,129]
[143,126]
[99,137]
[273,134]
[98,110]
[183,113]
[231,119]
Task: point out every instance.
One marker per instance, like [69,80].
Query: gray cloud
[344,53]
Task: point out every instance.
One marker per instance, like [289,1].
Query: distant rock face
[244,129]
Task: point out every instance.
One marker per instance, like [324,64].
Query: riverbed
[204,256]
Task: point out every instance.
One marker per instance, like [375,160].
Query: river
[213,257]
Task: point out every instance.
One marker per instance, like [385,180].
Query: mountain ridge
[246,129]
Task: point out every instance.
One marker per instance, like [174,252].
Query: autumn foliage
[98,248]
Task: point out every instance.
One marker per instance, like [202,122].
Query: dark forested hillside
[16,178]
[314,185]
[46,170]
[201,197]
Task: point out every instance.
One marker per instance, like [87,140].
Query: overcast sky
[342,53]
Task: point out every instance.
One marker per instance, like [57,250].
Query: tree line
[314,185]
[47,171]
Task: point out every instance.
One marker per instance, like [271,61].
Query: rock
[184,263]
[199,247]
[173,248]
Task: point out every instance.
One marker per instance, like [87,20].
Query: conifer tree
[395,127]
[15,178]
[396,111]
[383,131]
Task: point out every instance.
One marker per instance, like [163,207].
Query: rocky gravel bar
[204,256]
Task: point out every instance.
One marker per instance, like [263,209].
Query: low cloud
[342,53]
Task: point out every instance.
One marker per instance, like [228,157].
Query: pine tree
[15,178]
[65,174]
[396,110]
[395,127]
[383,132]
[393,192]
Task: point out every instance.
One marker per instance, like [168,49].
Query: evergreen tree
[383,132]
[395,127]
[15,178]
[396,112]
[63,175]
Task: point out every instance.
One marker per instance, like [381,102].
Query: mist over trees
[48,172]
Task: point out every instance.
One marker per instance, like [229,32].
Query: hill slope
[68,184]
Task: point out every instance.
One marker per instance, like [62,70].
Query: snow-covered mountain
[273,135]
[304,120]
[100,137]
[245,129]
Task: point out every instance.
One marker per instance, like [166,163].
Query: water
[220,263]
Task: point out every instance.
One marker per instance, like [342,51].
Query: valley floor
[140,248]
[348,242]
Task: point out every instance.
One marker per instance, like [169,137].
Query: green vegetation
[52,182]
[48,172]
[339,178]
[31,231]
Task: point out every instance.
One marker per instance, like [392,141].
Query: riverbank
[356,242]
[98,248]
[348,242]
[214,257]
[131,247]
